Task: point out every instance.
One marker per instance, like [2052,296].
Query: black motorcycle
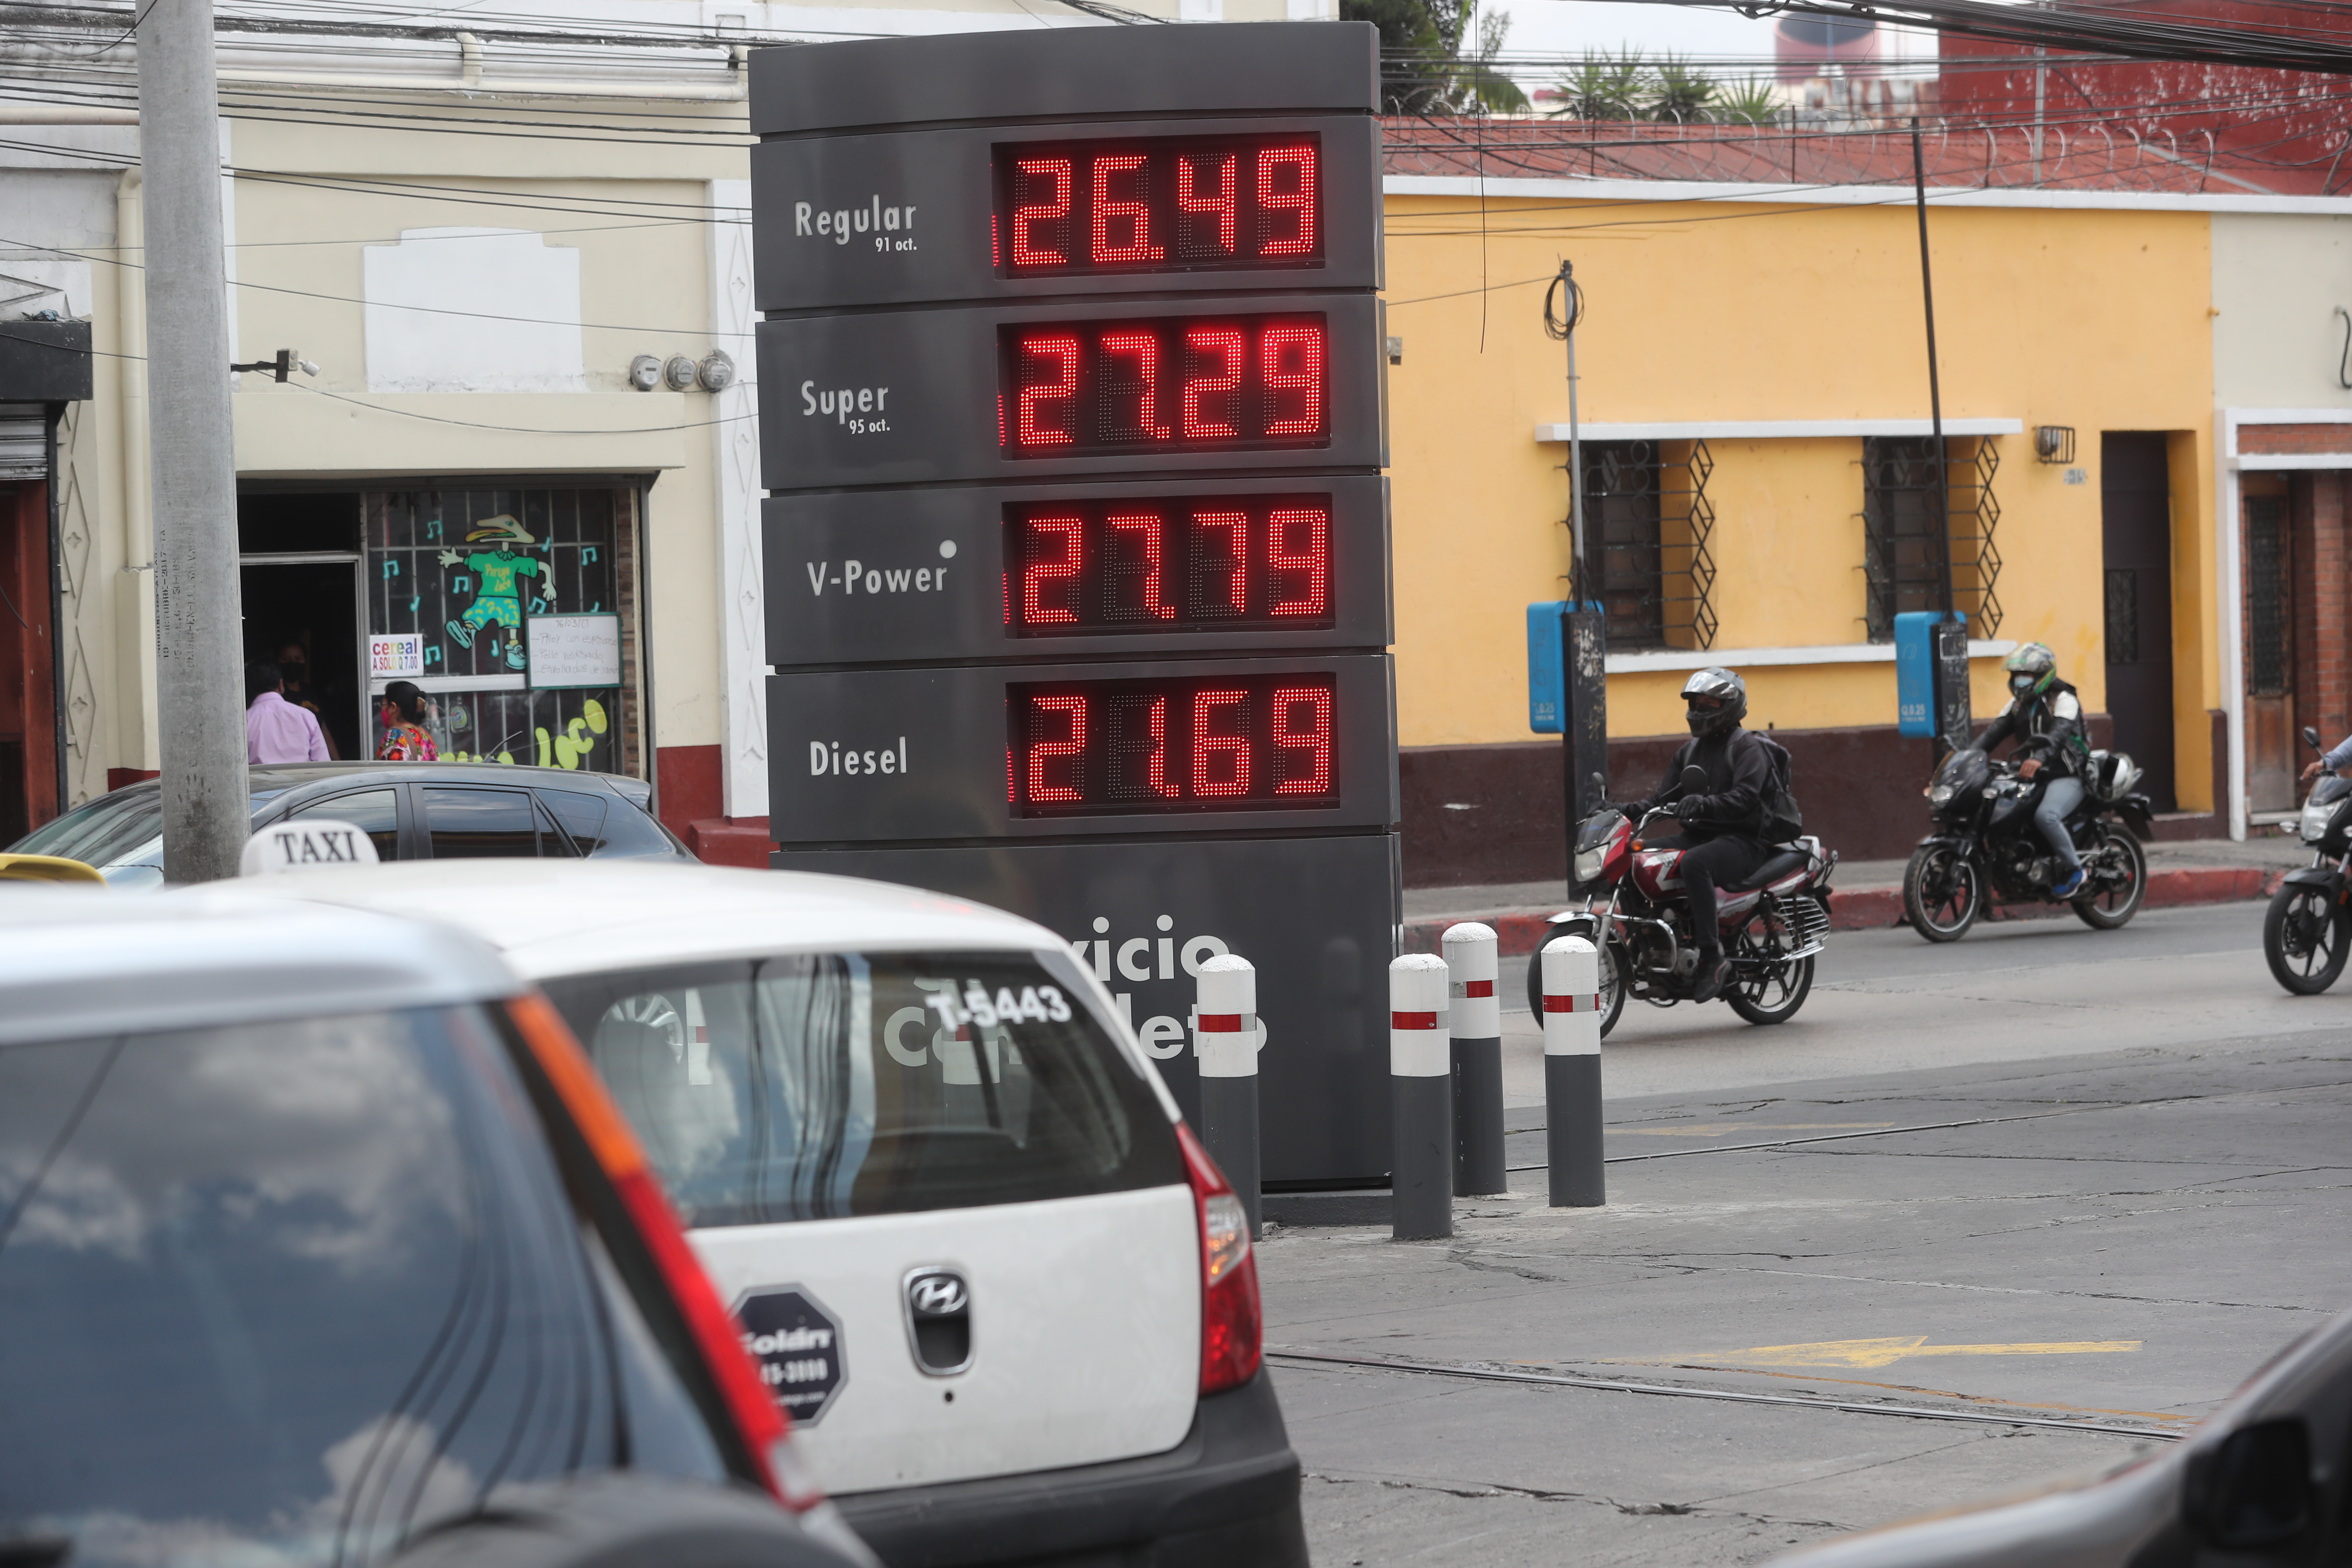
[1985,842]
[2308,929]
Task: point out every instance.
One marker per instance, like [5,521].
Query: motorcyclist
[2044,716]
[1723,821]
[2334,762]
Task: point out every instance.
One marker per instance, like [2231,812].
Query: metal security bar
[1903,550]
[2266,597]
[1646,512]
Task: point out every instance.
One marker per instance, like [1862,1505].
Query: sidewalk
[1868,894]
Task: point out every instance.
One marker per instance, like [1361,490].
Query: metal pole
[1942,530]
[1580,590]
[199,689]
[1474,1020]
[1421,1100]
[2040,79]
[1224,1038]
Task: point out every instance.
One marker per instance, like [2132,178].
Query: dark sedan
[414,811]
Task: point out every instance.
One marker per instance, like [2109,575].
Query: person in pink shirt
[276,731]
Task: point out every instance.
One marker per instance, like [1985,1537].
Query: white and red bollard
[1571,1041]
[1420,1099]
[1225,1039]
[1476,1023]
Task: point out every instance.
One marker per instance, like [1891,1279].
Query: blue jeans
[2063,796]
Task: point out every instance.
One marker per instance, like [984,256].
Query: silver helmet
[1714,700]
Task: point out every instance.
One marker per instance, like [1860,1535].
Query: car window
[104,831]
[472,824]
[284,1294]
[815,1085]
[583,817]
[374,812]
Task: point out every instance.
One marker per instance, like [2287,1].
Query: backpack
[1782,820]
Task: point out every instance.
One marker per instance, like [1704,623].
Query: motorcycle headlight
[2314,827]
[1588,863]
[1941,795]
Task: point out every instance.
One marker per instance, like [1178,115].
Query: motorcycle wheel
[2107,908]
[2304,939]
[1941,893]
[1612,989]
[1779,987]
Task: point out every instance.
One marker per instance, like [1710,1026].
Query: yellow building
[1753,404]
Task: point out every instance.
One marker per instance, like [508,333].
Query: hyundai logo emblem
[937,1294]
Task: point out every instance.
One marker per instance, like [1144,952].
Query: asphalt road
[2143,1206]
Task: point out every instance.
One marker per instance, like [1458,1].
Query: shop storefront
[511,606]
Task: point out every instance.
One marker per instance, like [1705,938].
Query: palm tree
[1679,94]
[1605,87]
[1752,102]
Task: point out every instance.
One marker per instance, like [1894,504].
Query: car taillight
[1231,1327]
[716,1333]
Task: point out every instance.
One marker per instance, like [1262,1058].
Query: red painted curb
[1522,931]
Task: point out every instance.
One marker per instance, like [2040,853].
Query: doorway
[2270,618]
[2135,514]
[312,603]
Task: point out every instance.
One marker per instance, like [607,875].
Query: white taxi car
[1008,1300]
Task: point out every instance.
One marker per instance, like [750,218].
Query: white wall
[2278,281]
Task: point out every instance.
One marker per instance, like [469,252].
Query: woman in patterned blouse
[405,736]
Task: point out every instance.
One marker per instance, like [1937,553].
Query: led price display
[1221,744]
[1213,562]
[1136,387]
[1157,205]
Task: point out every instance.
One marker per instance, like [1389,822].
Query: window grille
[1648,524]
[2266,597]
[1903,550]
[2123,615]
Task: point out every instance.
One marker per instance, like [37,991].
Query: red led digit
[1221,347]
[1041,573]
[1209,746]
[1029,214]
[1218,203]
[1139,246]
[1302,578]
[1290,360]
[1044,752]
[1220,584]
[1140,725]
[1298,200]
[1062,351]
[1122,601]
[1313,738]
[1143,349]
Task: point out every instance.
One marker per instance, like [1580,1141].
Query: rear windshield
[110,828]
[282,1295]
[817,1085]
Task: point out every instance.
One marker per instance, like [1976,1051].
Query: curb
[1520,931]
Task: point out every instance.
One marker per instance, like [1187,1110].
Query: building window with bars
[1647,524]
[1903,549]
[2267,666]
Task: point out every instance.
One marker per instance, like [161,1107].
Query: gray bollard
[1420,1099]
[1476,1028]
[1224,1038]
[1571,1037]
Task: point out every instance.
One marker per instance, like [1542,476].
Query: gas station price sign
[1076,558]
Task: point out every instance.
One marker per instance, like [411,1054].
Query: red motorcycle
[1772,922]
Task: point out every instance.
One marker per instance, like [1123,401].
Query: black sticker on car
[797,1345]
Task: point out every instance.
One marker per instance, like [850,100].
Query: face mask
[2022,683]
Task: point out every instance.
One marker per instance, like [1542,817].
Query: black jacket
[2048,727]
[1738,775]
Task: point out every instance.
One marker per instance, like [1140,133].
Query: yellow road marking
[1886,1352]
[1718,1129]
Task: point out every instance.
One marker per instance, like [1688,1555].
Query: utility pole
[1941,526]
[199,687]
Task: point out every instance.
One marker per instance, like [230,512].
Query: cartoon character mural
[498,589]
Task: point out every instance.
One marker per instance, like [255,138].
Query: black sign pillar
[1077,538]
[1954,723]
[1584,725]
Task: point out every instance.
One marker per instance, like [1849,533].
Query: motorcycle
[2308,928]
[1985,838]
[1772,923]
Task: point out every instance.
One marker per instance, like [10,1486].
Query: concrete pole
[1571,1038]
[1224,1038]
[1420,1099]
[1475,1022]
[200,689]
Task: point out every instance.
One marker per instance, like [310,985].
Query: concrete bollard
[1571,1038]
[1420,1099]
[1224,1038]
[1476,1023]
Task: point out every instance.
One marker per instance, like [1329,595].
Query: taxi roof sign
[314,841]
